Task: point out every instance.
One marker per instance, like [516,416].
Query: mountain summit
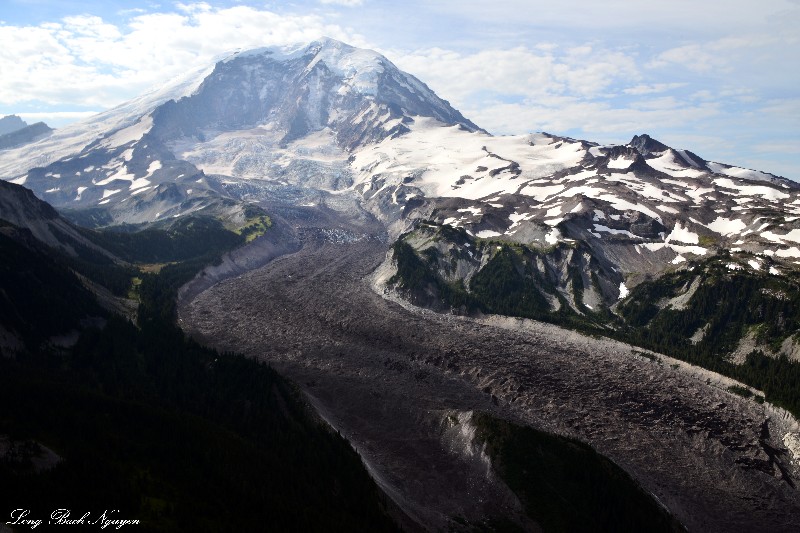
[327,123]
[358,94]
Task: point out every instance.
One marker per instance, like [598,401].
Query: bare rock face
[387,375]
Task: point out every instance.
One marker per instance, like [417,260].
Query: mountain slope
[637,212]
[328,117]
[41,299]
[20,207]
[245,452]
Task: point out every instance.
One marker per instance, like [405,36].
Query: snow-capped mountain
[270,114]
[641,202]
[327,119]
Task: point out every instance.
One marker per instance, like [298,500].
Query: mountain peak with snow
[359,94]
[327,120]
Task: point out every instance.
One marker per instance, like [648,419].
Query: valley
[393,379]
[440,296]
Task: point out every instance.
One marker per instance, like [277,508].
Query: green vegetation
[185,244]
[148,422]
[744,392]
[423,285]
[39,297]
[93,217]
[95,265]
[727,305]
[565,485]
[707,241]
[255,227]
[187,238]
[509,284]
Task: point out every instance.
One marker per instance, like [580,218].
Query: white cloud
[346,3]
[653,88]
[779,147]
[726,54]
[677,17]
[55,118]
[519,71]
[87,62]
[196,7]
[589,117]
[785,111]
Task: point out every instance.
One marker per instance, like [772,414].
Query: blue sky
[721,78]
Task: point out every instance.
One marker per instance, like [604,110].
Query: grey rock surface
[386,375]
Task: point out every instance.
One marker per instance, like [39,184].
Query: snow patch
[655,246]
[553,236]
[793,236]
[768,193]
[686,157]
[791,252]
[600,227]
[681,234]
[139,183]
[121,174]
[727,226]
[738,172]
[623,291]
[139,191]
[667,164]
[620,163]
[152,167]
